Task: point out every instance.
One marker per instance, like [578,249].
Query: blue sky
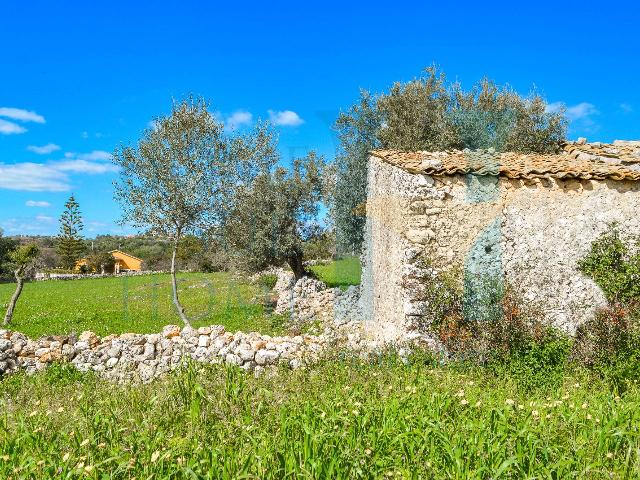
[79,78]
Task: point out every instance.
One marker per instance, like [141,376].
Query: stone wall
[533,232]
[142,357]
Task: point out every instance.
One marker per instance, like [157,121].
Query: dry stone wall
[532,232]
[142,357]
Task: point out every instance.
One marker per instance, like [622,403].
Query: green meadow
[339,420]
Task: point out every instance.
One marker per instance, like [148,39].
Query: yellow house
[124,262]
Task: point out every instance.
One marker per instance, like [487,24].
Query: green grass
[337,420]
[341,273]
[140,304]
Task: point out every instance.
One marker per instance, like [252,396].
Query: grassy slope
[135,304]
[334,421]
[341,273]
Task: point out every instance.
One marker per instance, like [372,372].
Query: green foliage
[321,245]
[429,114]
[341,273]
[180,177]
[21,257]
[101,262]
[140,304]
[268,280]
[537,362]
[273,216]
[6,246]
[339,420]
[609,343]
[70,245]
[357,133]
[614,266]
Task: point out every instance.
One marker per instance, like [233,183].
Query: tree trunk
[295,262]
[174,285]
[14,299]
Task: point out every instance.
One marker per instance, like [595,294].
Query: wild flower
[85,442]
[509,402]
[464,402]
[65,457]
[154,456]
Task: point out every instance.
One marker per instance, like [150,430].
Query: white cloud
[238,119]
[45,218]
[84,134]
[21,115]
[45,149]
[33,177]
[575,112]
[581,110]
[95,155]
[285,118]
[626,108]
[84,166]
[53,176]
[37,203]
[9,128]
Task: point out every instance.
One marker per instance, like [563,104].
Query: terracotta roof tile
[589,161]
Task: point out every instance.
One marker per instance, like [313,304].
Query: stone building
[525,220]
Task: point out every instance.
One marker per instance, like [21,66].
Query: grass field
[139,304]
[341,273]
[142,304]
[337,420]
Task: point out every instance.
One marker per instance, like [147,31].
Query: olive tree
[181,176]
[428,113]
[22,260]
[275,214]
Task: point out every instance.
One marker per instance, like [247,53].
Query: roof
[126,254]
[619,160]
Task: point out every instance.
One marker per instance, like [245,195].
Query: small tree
[70,245]
[274,215]
[102,262]
[182,176]
[22,260]
[7,245]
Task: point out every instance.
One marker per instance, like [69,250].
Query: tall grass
[338,420]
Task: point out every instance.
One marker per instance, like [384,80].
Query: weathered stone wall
[533,232]
[138,357]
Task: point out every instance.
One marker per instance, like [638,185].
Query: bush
[268,280]
[614,266]
[609,344]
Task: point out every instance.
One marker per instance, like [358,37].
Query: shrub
[614,266]
[268,280]
[609,344]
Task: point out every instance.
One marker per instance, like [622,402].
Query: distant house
[124,262]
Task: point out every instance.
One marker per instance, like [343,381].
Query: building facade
[522,220]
